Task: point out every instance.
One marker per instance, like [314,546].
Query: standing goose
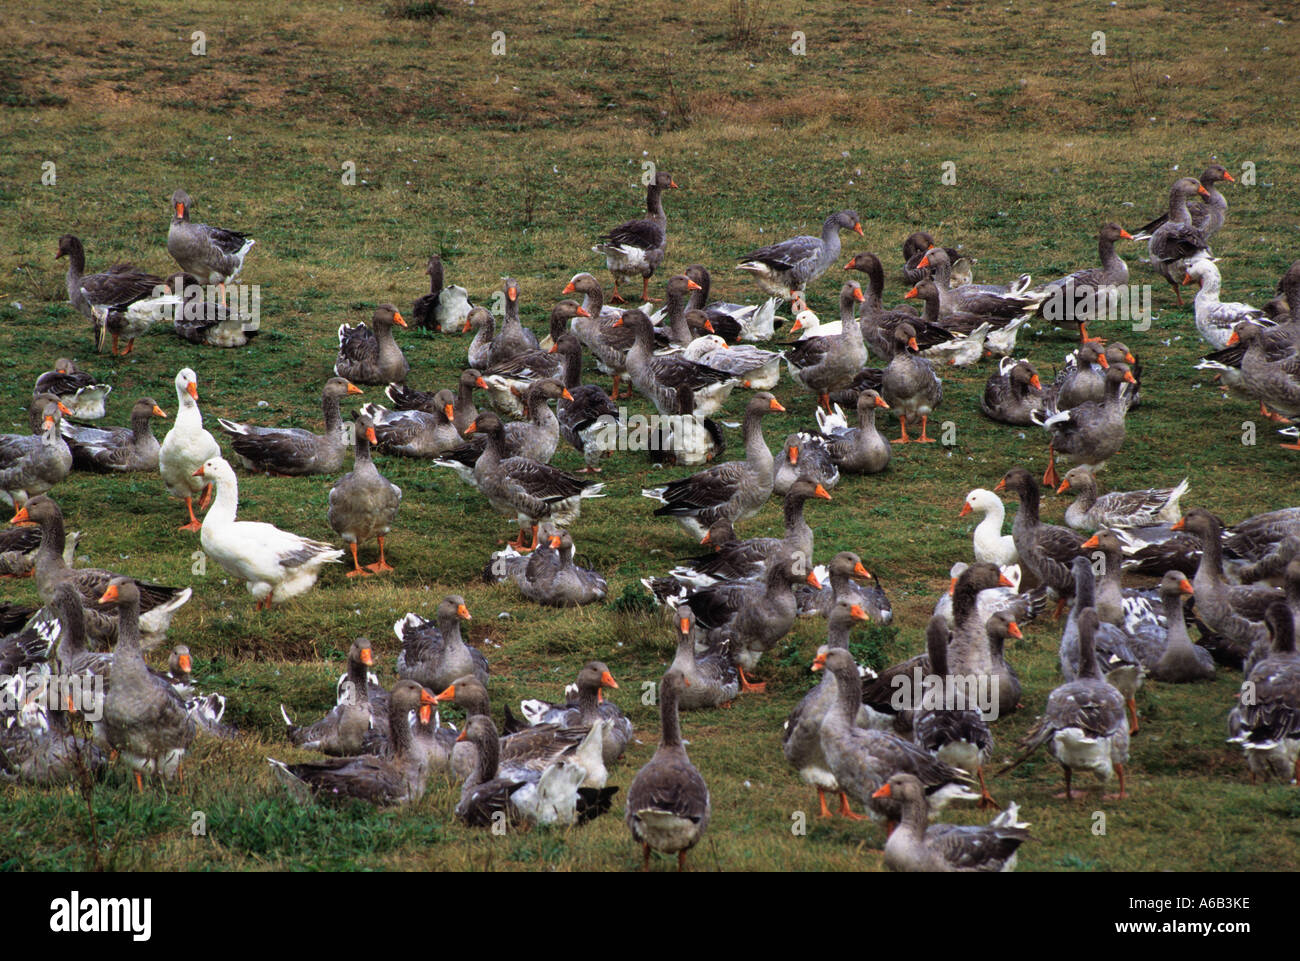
[713,678]
[85,398]
[292,450]
[1045,550]
[668,802]
[157,603]
[607,343]
[370,355]
[144,720]
[801,734]
[32,469]
[122,284]
[861,449]
[824,364]
[443,308]
[734,490]
[1177,243]
[363,503]
[1274,381]
[1088,294]
[525,489]
[910,385]
[1114,648]
[660,377]
[991,545]
[919,846]
[1206,216]
[785,269]
[1090,433]
[433,652]
[397,778]
[1083,725]
[1013,394]
[213,255]
[637,248]
[1140,508]
[117,448]
[186,447]
[274,564]
[508,380]
[1266,724]
[878,324]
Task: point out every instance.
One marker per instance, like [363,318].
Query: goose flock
[900,758]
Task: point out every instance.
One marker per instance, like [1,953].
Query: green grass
[514,164]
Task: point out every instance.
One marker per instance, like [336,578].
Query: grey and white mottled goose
[920,846]
[783,270]
[363,503]
[212,254]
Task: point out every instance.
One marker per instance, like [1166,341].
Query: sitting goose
[952,730]
[1090,433]
[863,759]
[213,255]
[144,719]
[586,417]
[801,734]
[589,707]
[804,455]
[199,320]
[878,324]
[1083,725]
[506,382]
[636,248]
[525,489]
[668,802]
[861,449]
[18,546]
[659,377]
[1182,662]
[292,450]
[1177,243]
[1207,216]
[682,438]
[157,603]
[713,678]
[186,447]
[419,432]
[823,364]
[395,778]
[919,846]
[555,795]
[342,732]
[535,438]
[962,326]
[910,385]
[38,746]
[732,322]
[757,369]
[117,448]
[85,398]
[1082,378]
[1013,394]
[1215,320]
[734,490]
[274,564]
[917,245]
[370,355]
[433,652]
[1140,508]
[443,308]
[991,545]
[30,469]
[363,503]
[1090,293]
[840,581]
[1006,301]
[783,270]
[1266,724]
[551,578]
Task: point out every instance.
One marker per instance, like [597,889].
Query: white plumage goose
[186,447]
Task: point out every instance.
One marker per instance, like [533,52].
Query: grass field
[513,164]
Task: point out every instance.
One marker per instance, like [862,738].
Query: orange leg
[130,346]
[825,400]
[194,524]
[1049,477]
[1123,793]
[747,685]
[645,291]
[139,782]
[115,344]
[824,812]
[1085,339]
[925,418]
[380,565]
[848,811]
[1276,418]
[358,570]
[617,298]
[986,799]
[207,498]
[902,423]
[1133,712]
[1178,292]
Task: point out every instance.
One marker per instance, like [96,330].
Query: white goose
[276,564]
[1214,320]
[991,545]
[185,448]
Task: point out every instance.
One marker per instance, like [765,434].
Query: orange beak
[354,389]
[1001,485]
[1129,378]
[819,662]
[48,423]
[471,428]
[370,436]
[882,791]
[466,328]
[463,612]
[157,411]
[1065,486]
[708,325]
[1229,177]
[192,389]
[583,312]
[796,326]
[448,694]
[880,402]
[1125,234]
[426,713]
[480,382]
[63,409]
[1200,189]
[794,455]
[858,295]
[1233,338]
[1187,278]
[911,342]
[110,595]
[813,582]
[705,538]
[185,663]
[773,405]
[672,183]
[858,613]
[1186,586]
[861,571]
[911,293]
[1177,525]
[180,210]
[461,736]
[692,285]
[617,323]
[367,658]
[965,509]
[1091,542]
[684,625]
[1035,383]
[952,586]
[21,517]
[822,493]
[569,288]
[398,320]
[449,411]
[1014,630]
[1105,364]
[512,293]
[555,542]
[858,230]
[607,680]
[566,395]
[1003,581]
[198,473]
